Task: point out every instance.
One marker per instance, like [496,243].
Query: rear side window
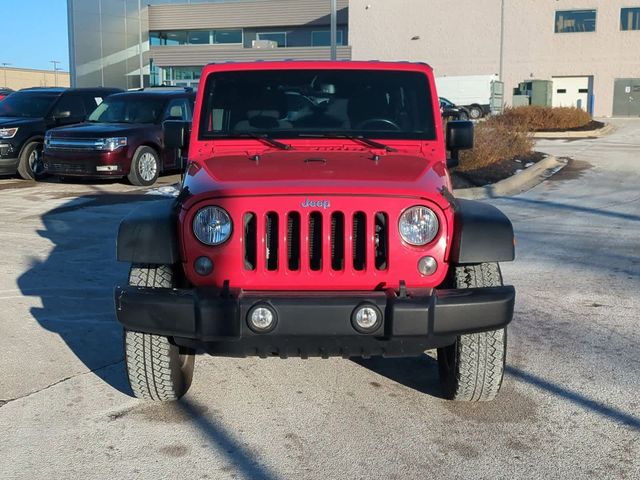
[178,109]
[72,104]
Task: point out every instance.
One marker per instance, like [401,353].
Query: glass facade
[630,18]
[110,42]
[570,21]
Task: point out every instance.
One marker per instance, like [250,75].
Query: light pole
[334,30]
[55,71]
[4,68]
[502,40]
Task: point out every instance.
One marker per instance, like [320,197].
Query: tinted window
[177,109]
[91,102]
[290,103]
[630,19]
[128,109]
[72,104]
[569,21]
[279,37]
[27,104]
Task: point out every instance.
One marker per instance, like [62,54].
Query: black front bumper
[313,324]
[8,159]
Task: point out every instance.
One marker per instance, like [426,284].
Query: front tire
[30,165]
[475,112]
[145,167]
[157,369]
[473,367]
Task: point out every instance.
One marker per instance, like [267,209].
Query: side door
[68,110]
[177,109]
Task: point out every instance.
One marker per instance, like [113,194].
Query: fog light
[427,266]
[106,168]
[203,266]
[261,319]
[366,318]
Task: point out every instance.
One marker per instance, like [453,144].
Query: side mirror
[62,115]
[176,133]
[459,137]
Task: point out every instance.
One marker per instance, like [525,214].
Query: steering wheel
[385,121]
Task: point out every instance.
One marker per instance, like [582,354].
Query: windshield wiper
[356,138]
[264,138]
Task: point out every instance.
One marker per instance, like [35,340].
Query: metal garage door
[626,97]
[572,92]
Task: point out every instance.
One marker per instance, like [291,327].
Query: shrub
[536,118]
[495,141]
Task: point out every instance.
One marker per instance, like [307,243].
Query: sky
[33,32]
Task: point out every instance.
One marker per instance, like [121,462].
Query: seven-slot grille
[316,241]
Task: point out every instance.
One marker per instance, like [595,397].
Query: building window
[630,19]
[279,37]
[196,37]
[322,38]
[199,37]
[570,21]
[227,36]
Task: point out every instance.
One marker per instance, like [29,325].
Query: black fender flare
[149,234]
[482,233]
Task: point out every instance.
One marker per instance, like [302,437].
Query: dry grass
[495,141]
[536,119]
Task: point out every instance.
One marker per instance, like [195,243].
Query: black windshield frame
[404,95]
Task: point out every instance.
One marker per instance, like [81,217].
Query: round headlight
[418,225]
[212,226]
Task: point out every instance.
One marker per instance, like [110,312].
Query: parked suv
[26,115]
[122,137]
[332,232]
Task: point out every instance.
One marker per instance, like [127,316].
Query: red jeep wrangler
[316,219]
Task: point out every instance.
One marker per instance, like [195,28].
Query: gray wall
[463,38]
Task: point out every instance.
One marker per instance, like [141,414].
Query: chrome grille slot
[337,241]
[271,241]
[250,241]
[315,241]
[359,245]
[293,241]
[381,240]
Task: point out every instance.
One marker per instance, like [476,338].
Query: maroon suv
[122,137]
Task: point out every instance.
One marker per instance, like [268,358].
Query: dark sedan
[122,138]
[451,111]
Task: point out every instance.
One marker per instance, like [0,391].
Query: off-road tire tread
[153,362]
[480,357]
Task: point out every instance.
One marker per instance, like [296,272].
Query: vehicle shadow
[74,283]
[418,373]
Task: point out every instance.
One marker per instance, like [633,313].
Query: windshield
[128,109]
[296,103]
[27,104]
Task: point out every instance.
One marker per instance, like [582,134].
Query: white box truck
[477,93]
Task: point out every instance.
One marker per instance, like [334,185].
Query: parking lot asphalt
[568,409]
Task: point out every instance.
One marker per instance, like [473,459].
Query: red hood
[354,171]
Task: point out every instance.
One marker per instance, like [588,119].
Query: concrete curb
[586,134]
[521,182]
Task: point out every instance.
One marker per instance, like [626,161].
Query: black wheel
[463,116]
[157,369]
[475,112]
[145,167]
[472,368]
[30,165]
